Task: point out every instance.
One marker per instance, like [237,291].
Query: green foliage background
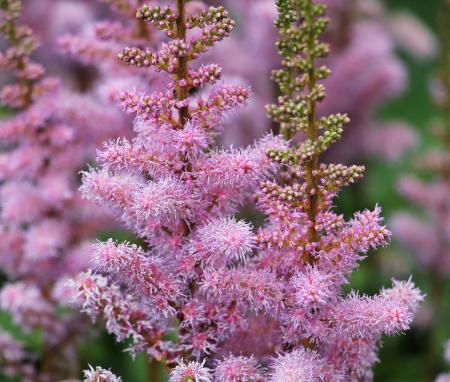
[404,358]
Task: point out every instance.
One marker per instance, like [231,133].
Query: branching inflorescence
[242,305]
[45,227]
[312,250]
[172,187]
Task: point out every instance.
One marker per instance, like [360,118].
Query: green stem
[182,72]
[434,341]
[27,84]
[153,370]
[313,165]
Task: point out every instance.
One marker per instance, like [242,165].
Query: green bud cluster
[210,16]
[161,17]
[339,176]
[300,24]
[288,193]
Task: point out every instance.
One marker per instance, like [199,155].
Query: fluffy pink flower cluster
[61,17]
[96,44]
[243,304]
[45,226]
[172,187]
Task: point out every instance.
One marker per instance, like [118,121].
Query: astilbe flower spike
[203,274]
[45,227]
[178,192]
[305,247]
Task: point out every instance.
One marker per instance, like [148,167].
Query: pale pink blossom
[100,375]
[191,371]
